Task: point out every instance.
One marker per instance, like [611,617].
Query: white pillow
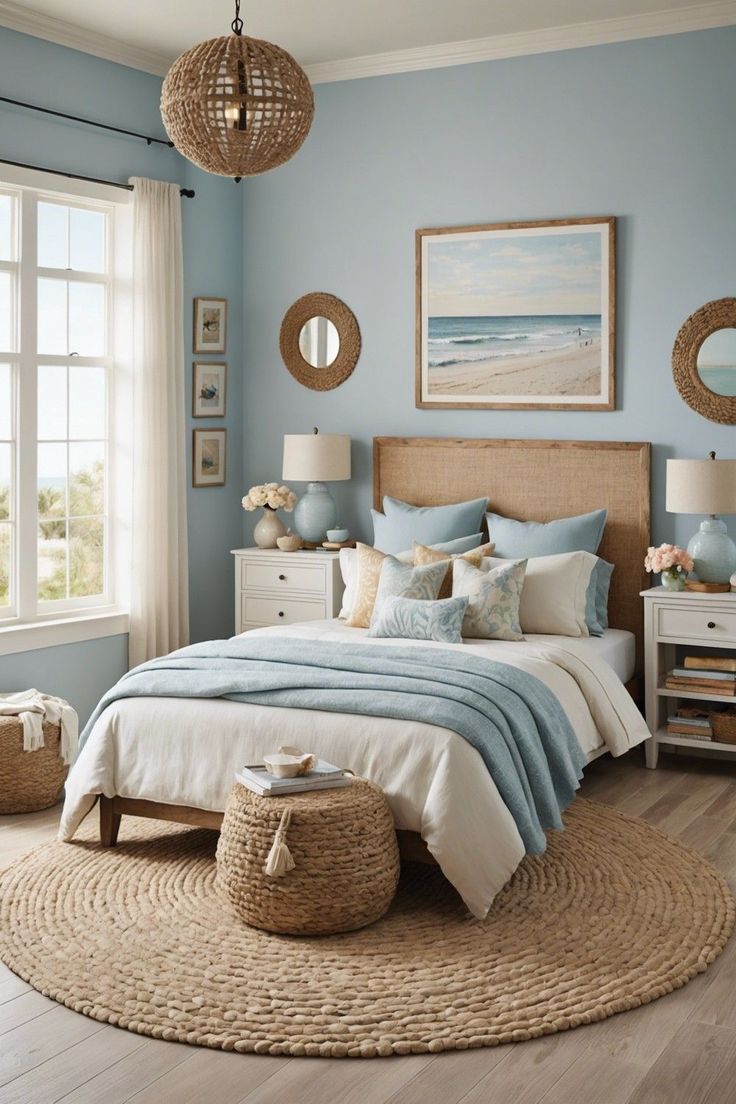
[554,596]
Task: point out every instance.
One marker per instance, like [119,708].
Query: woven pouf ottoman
[333,854]
[29,780]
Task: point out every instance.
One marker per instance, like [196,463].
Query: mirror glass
[717,362]
[319,342]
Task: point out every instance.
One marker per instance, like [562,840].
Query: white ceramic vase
[269,528]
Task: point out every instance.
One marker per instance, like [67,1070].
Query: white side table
[282,588]
[687,619]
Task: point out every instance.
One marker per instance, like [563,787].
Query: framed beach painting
[209,458]
[517,315]
[210,325]
[209,390]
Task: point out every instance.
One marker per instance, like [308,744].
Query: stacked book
[704,675]
[693,723]
[323,776]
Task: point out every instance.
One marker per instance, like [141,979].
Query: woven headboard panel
[536,481]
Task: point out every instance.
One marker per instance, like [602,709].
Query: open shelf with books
[690,666]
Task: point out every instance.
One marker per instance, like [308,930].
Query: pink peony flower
[668,557]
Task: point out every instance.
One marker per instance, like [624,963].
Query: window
[58,290]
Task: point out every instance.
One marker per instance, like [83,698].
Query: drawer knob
[282,578]
[281,613]
[711,624]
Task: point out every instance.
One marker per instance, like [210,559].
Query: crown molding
[697,17]
[700,17]
[17,17]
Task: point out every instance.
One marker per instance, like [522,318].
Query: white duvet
[185,752]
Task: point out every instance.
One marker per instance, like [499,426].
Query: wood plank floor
[678,1050]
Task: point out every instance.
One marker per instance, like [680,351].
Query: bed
[145,756]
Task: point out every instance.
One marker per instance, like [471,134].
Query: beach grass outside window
[57,296]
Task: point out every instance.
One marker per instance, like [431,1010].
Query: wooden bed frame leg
[109,822]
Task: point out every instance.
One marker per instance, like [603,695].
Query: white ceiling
[321,33]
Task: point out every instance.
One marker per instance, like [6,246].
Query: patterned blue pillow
[418,619]
[493,599]
[401,580]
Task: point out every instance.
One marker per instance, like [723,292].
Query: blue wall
[641,130]
[67,80]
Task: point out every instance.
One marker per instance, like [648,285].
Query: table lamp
[706,487]
[315,458]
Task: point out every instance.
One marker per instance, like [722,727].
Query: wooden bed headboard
[536,481]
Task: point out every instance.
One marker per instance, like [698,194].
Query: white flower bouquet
[271,496]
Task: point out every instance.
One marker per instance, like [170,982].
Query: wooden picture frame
[209,457]
[209,323]
[206,378]
[516,316]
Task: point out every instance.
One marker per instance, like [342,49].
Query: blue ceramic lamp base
[315,513]
[713,552]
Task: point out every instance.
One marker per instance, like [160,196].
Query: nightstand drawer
[697,624]
[309,578]
[281,611]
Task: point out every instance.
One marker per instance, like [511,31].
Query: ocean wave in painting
[495,337]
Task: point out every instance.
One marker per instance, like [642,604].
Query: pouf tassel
[279,859]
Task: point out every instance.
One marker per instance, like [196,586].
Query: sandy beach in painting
[574,370]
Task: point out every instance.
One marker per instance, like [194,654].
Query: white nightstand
[281,588]
[687,619]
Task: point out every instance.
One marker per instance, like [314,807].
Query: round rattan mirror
[704,361]
[320,341]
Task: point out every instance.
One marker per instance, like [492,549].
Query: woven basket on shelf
[343,846]
[29,780]
[723,725]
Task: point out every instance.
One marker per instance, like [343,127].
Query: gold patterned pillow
[425,555]
[370,562]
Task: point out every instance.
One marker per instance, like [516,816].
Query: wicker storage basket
[724,726]
[343,845]
[29,780]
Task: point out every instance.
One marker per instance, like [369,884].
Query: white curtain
[159,606]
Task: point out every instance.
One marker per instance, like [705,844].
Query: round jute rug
[614,915]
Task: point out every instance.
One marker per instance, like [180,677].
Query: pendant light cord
[237,23]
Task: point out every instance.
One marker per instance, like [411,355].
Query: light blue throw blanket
[516,723]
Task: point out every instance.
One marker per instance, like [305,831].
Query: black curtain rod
[89,122]
[189,193]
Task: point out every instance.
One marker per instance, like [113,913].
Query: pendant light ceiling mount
[237,106]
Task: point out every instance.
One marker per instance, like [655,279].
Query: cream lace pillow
[370,562]
[425,555]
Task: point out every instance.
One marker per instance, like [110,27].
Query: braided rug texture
[613,916]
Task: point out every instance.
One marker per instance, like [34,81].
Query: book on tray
[322,776]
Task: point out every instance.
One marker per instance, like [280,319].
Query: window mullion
[27,415]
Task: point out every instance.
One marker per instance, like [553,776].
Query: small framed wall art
[516,315]
[209,390]
[210,325]
[209,457]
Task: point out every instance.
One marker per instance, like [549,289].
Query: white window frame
[27,625]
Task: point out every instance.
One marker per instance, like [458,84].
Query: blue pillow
[415,619]
[401,524]
[524,539]
[399,580]
[596,598]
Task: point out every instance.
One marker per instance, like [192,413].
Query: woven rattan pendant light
[237,106]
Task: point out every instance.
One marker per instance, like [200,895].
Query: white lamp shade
[701,487]
[316,457]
